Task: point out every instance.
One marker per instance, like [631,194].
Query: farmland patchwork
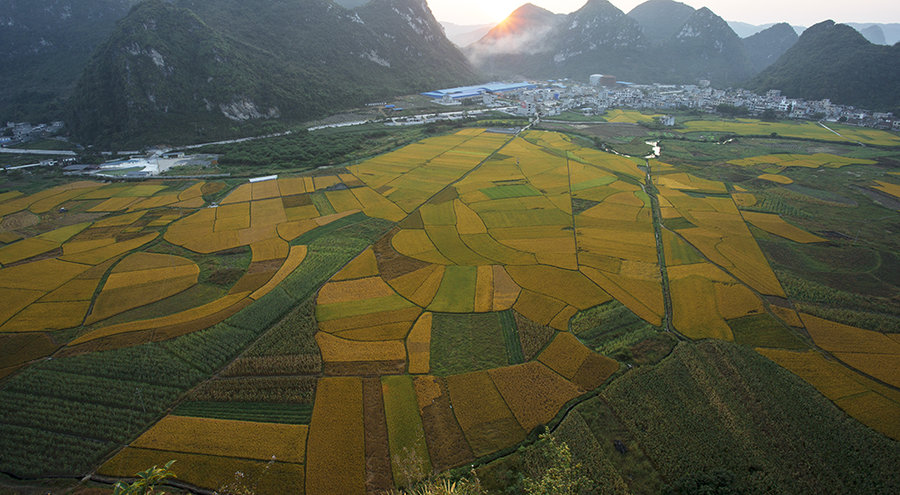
[367,329]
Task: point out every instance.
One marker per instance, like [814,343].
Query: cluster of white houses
[602,92]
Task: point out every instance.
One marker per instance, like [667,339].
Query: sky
[797,12]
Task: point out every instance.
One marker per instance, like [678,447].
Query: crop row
[298,414]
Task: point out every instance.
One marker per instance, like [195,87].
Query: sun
[496,11]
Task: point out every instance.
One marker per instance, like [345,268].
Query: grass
[464,343]
[764,331]
[292,414]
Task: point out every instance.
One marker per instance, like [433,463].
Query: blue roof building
[475,91]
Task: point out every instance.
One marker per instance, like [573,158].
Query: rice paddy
[423,362]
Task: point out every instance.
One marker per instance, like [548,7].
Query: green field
[463,343]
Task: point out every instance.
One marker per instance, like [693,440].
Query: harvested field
[871,403]
[364,265]
[537,307]
[338,350]
[571,287]
[836,337]
[778,179]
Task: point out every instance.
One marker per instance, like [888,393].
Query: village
[547,99]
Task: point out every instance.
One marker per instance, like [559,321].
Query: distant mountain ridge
[190,69]
[766,47]
[835,61]
[660,40]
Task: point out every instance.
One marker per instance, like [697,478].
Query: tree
[549,469]
[769,115]
[147,481]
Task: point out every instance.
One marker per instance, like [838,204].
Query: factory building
[477,92]
[603,80]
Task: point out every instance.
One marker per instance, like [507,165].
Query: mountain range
[123,72]
[660,40]
[200,69]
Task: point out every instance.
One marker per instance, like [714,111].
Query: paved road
[17,151]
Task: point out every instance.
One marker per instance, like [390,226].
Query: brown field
[378,454]
[446,441]
[533,392]
[595,370]
[484,417]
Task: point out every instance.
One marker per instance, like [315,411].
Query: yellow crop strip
[418,345]
[336,454]
[219,437]
[774,224]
